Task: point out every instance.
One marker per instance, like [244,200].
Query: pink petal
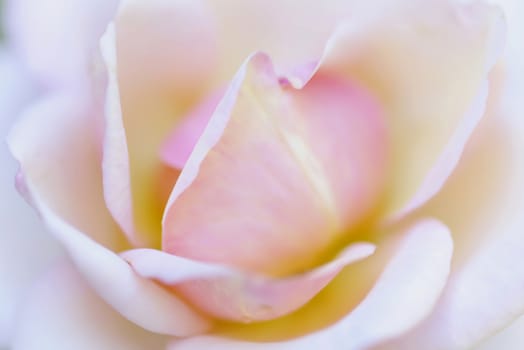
[404,294]
[183,138]
[61,312]
[55,39]
[278,175]
[234,295]
[428,63]
[77,217]
[156,87]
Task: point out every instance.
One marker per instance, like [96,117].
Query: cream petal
[427,63]
[483,204]
[279,174]
[156,87]
[404,294]
[62,312]
[292,32]
[57,151]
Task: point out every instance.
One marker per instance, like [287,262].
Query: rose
[373,99]
[368,299]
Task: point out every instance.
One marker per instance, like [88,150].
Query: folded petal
[61,177]
[483,203]
[115,161]
[55,39]
[62,312]
[234,295]
[427,62]
[279,174]
[404,294]
[164,55]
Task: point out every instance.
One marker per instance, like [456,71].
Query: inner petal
[279,174]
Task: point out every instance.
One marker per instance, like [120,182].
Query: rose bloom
[269,175]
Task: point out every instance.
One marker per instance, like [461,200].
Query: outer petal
[54,161]
[62,312]
[24,248]
[297,168]
[156,87]
[427,62]
[483,204]
[511,338]
[292,32]
[404,294]
[139,300]
[55,142]
[236,295]
[56,38]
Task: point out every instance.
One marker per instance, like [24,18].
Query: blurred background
[28,241]
[1,23]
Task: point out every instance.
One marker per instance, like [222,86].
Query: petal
[511,338]
[292,32]
[115,161]
[156,87]
[234,295]
[427,62]
[180,40]
[54,160]
[56,39]
[483,204]
[279,174]
[139,300]
[404,294]
[182,140]
[56,145]
[25,249]
[62,312]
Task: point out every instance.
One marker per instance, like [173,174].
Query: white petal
[62,312]
[511,338]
